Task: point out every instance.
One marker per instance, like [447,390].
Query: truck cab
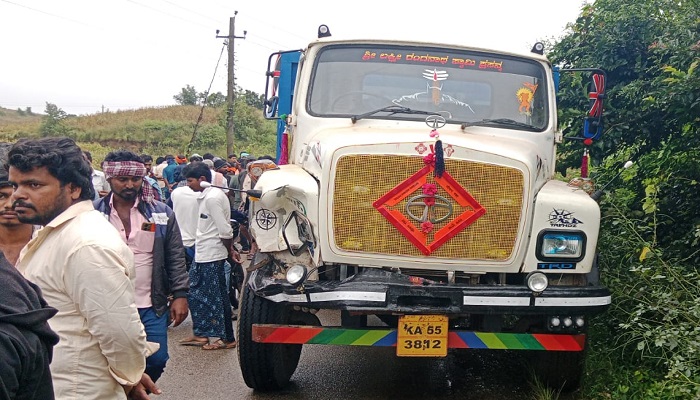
[415,182]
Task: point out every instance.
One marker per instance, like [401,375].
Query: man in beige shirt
[84,270]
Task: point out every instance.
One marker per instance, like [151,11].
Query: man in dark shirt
[26,340]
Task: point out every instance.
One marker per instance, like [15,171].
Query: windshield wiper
[501,121]
[391,110]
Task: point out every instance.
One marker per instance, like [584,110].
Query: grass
[157,130]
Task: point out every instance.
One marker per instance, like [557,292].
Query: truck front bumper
[376,291]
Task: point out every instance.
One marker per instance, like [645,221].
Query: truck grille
[362,179]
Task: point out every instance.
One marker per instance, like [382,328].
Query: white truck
[415,185]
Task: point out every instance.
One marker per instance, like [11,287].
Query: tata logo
[563,219]
[556,265]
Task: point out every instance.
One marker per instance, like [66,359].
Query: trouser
[156,331]
[208,299]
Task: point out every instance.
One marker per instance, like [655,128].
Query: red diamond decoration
[413,233]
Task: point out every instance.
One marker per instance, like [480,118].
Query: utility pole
[231,95]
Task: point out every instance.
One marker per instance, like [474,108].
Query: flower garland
[436,159]
[429,191]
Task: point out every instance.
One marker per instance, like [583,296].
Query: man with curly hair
[84,270]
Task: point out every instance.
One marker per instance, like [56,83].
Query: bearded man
[84,270]
[149,228]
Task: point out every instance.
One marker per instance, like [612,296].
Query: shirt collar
[111,202]
[70,213]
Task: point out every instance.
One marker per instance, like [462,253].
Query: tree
[213,100]
[251,98]
[187,97]
[651,227]
[52,124]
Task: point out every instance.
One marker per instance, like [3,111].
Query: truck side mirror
[593,122]
[271,107]
[592,127]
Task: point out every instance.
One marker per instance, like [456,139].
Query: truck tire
[265,367]
[559,370]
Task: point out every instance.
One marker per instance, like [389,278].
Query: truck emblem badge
[563,219]
[438,211]
[435,121]
[265,219]
[429,220]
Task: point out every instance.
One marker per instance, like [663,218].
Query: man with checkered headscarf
[149,228]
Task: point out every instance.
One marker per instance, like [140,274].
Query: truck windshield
[465,87]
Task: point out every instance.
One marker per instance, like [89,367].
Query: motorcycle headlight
[560,245]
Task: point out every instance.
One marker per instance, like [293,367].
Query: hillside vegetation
[156,131]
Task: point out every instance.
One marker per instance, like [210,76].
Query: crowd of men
[96,265]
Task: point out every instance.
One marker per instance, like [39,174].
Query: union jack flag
[596,96]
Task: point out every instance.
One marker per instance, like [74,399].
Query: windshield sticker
[563,219]
[526,96]
[368,55]
[434,90]
[463,62]
[486,64]
[421,148]
[390,57]
[413,58]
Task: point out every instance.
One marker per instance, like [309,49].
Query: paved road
[345,372]
[348,372]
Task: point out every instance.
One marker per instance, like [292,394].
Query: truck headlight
[296,274]
[561,245]
[537,281]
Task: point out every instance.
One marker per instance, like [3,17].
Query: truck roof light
[538,48]
[323,31]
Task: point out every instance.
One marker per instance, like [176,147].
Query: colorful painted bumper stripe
[263,333]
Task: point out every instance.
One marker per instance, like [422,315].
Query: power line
[191,11]
[48,13]
[204,103]
[165,13]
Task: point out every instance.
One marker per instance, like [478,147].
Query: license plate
[422,336]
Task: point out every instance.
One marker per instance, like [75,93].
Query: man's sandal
[193,341]
[219,345]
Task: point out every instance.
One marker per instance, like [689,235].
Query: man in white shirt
[208,296]
[186,208]
[84,270]
[99,181]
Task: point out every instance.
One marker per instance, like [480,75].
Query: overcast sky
[83,55]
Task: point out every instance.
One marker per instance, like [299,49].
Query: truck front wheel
[265,367]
